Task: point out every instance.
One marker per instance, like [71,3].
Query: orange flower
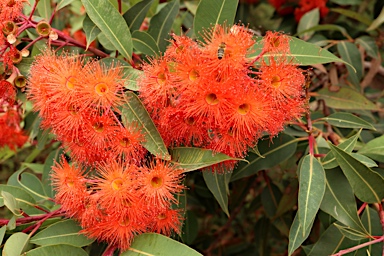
[275,42]
[166,221]
[10,9]
[11,134]
[159,182]
[70,183]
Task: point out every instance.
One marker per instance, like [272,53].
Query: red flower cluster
[11,134]
[122,201]
[207,94]
[79,103]
[285,7]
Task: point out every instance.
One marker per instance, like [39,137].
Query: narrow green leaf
[63,3]
[351,54]
[90,29]
[190,228]
[326,27]
[348,120]
[191,159]
[212,12]
[302,53]
[367,184]
[311,190]
[159,245]
[308,20]
[44,9]
[53,157]
[364,160]
[15,244]
[62,232]
[134,111]
[2,233]
[24,199]
[36,168]
[161,24]
[330,242]
[57,250]
[144,43]
[136,14]
[297,235]
[371,221]
[270,198]
[329,161]
[369,45]
[352,14]
[351,233]
[377,22]
[374,149]
[272,153]
[339,200]
[218,184]
[111,23]
[346,98]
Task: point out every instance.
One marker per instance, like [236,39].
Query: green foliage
[314,189]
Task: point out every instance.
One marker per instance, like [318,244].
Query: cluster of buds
[209,94]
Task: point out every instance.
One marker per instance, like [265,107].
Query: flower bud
[9,27]
[43,28]
[20,81]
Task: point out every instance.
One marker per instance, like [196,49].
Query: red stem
[342,252]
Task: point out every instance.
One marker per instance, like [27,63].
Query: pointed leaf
[44,8]
[29,183]
[346,98]
[351,54]
[297,235]
[62,232]
[369,45]
[144,43]
[90,29]
[367,184]
[63,3]
[134,111]
[351,233]
[308,20]
[329,161]
[11,203]
[159,245]
[191,159]
[272,153]
[111,23]
[302,53]
[352,14]
[374,149]
[136,14]
[364,160]
[57,250]
[311,190]
[339,201]
[212,12]
[377,22]
[347,120]
[218,184]
[161,24]
[24,199]
[15,244]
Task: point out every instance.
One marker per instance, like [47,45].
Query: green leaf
[11,203]
[351,233]
[2,233]
[217,183]
[90,29]
[24,199]
[364,160]
[352,14]
[273,152]
[36,168]
[212,12]
[57,250]
[270,198]
[311,190]
[369,45]
[347,120]
[29,183]
[302,53]
[111,23]
[345,98]
[326,27]
[330,242]
[159,245]
[308,20]
[62,232]
[136,14]
[374,149]
[371,221]
[329,161]
[15,244]
[297,235]
[351,54]
[161,24]
[144,43]
[191,159]
[63,3]
[367,184]
[339,200]
[377,22]
[44,9]
[134,111]
[190,228]
[53,157]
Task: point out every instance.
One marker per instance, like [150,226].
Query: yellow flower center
[116,184]
[162,216]
[161,79]
[70,83]
[193,75]
[101,89]
[211,99]
[98,127]
[243,109]
[190,121]
[156,182]
[124,142]
[276,81]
